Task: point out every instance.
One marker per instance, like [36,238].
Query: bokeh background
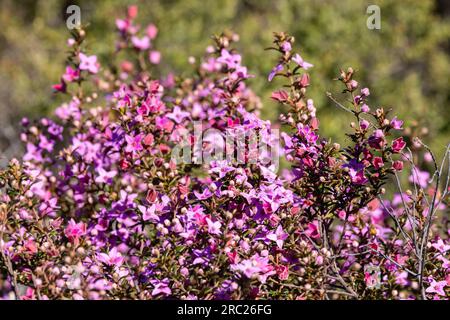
[406,64]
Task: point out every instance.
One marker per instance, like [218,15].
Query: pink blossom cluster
[98,209]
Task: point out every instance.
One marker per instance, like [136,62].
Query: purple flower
[356,171]
[232,61]
[299,60]
[149,213]
[105,176]
[279,236]
[177,115]
[221,167]
[205,194]
[161,287]
[274,71]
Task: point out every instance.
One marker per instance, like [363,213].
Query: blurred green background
[406,64]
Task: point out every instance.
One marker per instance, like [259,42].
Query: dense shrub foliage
[99,207]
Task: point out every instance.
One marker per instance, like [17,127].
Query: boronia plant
[102,205]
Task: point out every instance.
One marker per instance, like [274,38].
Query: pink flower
[398,145]
[123,25]
[29,294]
[397,165]
[396,124]
[152,31]
[113,258]
[154,57]
[60,87]
[132,12]
[141,43]
[282,272]
[419,177]
[299,60]
[441,246]
[71,74]
[105,176]
[313,230]
[437,287]
[177,115]
[279,236]
[161,287]
[74,231]
[149,213]
[133,143]
[280,96]
[213,227]
[378,162]
[365,108]
[89,63]
[221,167]
[365,92]
[205,194]
[364,124]
[286,46]
[30,247]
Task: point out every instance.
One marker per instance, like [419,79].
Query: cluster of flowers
[99,209]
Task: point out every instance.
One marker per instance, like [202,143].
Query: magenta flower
[299,60]
[378,162]
[74,231]
[71,74]
[255,267]
[397,165]
[278,236]
[89,63]
[313,230]
[398,145]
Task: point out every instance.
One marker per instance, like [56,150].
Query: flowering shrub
[102,206]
